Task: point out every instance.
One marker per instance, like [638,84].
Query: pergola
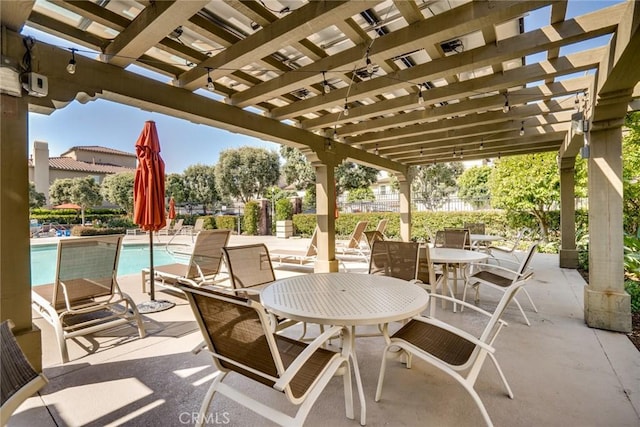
[389,84]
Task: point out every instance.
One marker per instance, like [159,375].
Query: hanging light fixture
[522,129]
[369,66]
[376,150]
[210,86]
[481,145]
[420,96]
[71,67]
[506,107]
[345,110]
[325,84]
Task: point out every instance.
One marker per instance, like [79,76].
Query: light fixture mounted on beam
[506,107]
[210,85]
[71,67]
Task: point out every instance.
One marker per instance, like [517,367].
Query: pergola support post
[606,304]
[405,207]
[15,272]
[568,251]
[325,213]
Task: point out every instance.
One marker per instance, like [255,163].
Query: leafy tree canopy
[350,176]
[246,172]
[433,184]
[36,199]
[473,185]
[200,186]
[530,183]
[296,169]
[118,189]
[631,174]
[176,187]
[84,192]
[361,195]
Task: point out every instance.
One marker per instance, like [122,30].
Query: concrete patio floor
[561,372]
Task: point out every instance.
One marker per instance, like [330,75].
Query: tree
[473,186]
[433,184]
[296,169]
[631,174]
[361,195]
[84,192]
[118,189]
[246,172]
[350,176]
[531,184]
[200,186]
[175,187]
[36,199]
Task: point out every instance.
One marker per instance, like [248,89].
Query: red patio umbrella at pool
[172,209]
[148,200]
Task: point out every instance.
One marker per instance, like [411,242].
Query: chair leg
[530,300]
[208,398]
[504,379]
[62,342]
[383,367]
[522,311]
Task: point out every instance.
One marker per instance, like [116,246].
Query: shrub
[284,210]
[209,222]
[225,222]
[633,289]
[251,217]
[80,230]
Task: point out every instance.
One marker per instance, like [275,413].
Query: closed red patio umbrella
[172,209]
[148,200]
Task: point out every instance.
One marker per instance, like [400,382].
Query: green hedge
[80,230]
[251,217]
[72,216]
[425,224]
[225,222]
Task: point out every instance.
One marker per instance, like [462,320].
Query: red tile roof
[67,163]
[98,149]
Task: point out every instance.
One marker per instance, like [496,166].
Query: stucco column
[606,304]
[15,274]
[325,212]
[568,251]
[405,208]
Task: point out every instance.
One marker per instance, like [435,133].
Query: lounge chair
[239,335]
[194,229]
[18,378]
[85,296]
[382,226]
[203,267]
[353,245]
[456,352]
[291,256]
[373,236]
[502,278]
[171,229]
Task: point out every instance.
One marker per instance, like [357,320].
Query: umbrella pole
[153,306]
[153,273]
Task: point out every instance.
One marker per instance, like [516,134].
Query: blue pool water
[133,258]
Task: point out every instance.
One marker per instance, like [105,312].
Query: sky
[183,143]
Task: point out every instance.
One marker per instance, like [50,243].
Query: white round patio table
[485,237]
[447,256]
[345,299]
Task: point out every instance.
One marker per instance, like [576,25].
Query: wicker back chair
[249,265]
[239,334]
[501,277]
[456,352]
[19,380]
[394,259]
[474,227]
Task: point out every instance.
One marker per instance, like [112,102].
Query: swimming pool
[133,258]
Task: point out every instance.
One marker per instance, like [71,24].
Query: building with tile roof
[77,162]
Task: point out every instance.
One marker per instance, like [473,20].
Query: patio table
[448,256]
[345,299]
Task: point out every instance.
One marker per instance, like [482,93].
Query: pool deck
[561,372]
